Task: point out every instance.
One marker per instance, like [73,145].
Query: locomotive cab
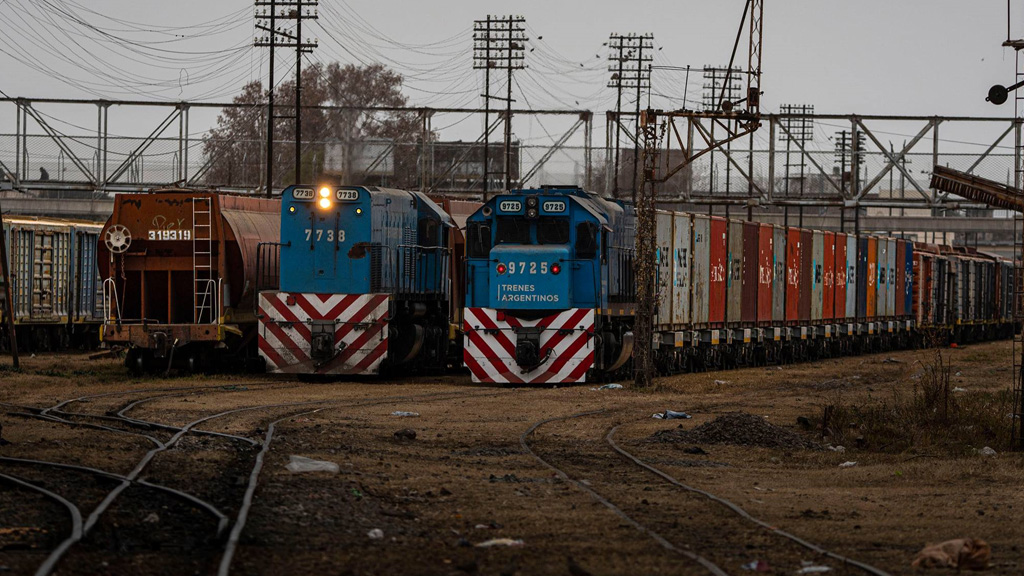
[365,283]
[538,275]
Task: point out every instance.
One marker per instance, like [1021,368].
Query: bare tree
[236,147]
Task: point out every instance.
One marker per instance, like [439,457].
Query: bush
[931,417]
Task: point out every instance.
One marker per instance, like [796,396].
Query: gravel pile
[740,429]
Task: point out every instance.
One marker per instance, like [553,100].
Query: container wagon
[179,276]
[729,292]
[54,283]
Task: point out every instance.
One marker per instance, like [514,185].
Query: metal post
[298,95]
[508,113]
[8,295]
[270,103]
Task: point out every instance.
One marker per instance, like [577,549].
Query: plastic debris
[671,415]
[375,534]
[969,553]
[987,451]
[153,518]
[848,464]
[891,360]
[837,448]
[959,389]
[812,568]
[612,386]
[300,464]
[757,566]
[500,542]
[721,382]
[404,414]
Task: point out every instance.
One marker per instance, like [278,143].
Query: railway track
[160,445]
[716,543]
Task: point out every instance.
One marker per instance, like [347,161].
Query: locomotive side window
[513,230]
[478,240]
[428,232]
[553,231]
[586,240]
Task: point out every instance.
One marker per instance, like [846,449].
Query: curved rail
[738,510]
[709,565]
[76,521]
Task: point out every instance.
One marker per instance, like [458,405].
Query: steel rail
[738,510]
[243,512]
[76,517]
[709,565]
[222,518]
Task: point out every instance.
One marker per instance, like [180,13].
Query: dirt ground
[425,505]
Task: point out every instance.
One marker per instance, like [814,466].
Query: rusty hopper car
[179,276]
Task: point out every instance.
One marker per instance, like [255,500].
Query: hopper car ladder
[204,285]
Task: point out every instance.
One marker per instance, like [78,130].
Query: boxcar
[817,275]
[765,273]
[779,281]
[718,270]
[748,307]
[700,277]
[807,275]
[54,283]
[793,275]
[828,310]
[734,282]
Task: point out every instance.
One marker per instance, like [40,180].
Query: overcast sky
[905,57]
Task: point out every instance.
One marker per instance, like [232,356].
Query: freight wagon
[179,276]
[54,283]
[547,297]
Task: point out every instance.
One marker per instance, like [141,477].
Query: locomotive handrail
[213,294]
[107,293]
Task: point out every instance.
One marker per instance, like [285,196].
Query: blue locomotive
[550,290]
[365,283]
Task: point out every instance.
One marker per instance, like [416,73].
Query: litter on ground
[500,542]
[962,553]
[671,415]
[404,414]
[300,464]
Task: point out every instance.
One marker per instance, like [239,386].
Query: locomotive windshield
[586,240]
[513,230]
[552,231]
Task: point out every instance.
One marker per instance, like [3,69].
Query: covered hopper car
[55,283]
[179,276]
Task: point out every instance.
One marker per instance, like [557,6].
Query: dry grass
[933,416]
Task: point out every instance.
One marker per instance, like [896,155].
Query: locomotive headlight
[325,192]
[291,209]
[556,268]
[325,203]
[531,212]
[502,268]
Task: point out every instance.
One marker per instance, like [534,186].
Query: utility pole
[798,121]
[722,86]
[8,296]
[631,69]
[499,44]
[297,10]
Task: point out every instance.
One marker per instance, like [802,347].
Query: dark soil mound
[740,429]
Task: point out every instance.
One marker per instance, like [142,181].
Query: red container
[829,277]
[839,277]
[793,275]
[807,274]
[765,252]
[751,237]
[901,278]
[872,295]
[718,247]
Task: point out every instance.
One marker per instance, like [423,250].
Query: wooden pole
[8,298]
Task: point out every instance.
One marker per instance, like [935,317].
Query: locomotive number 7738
[321,236]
